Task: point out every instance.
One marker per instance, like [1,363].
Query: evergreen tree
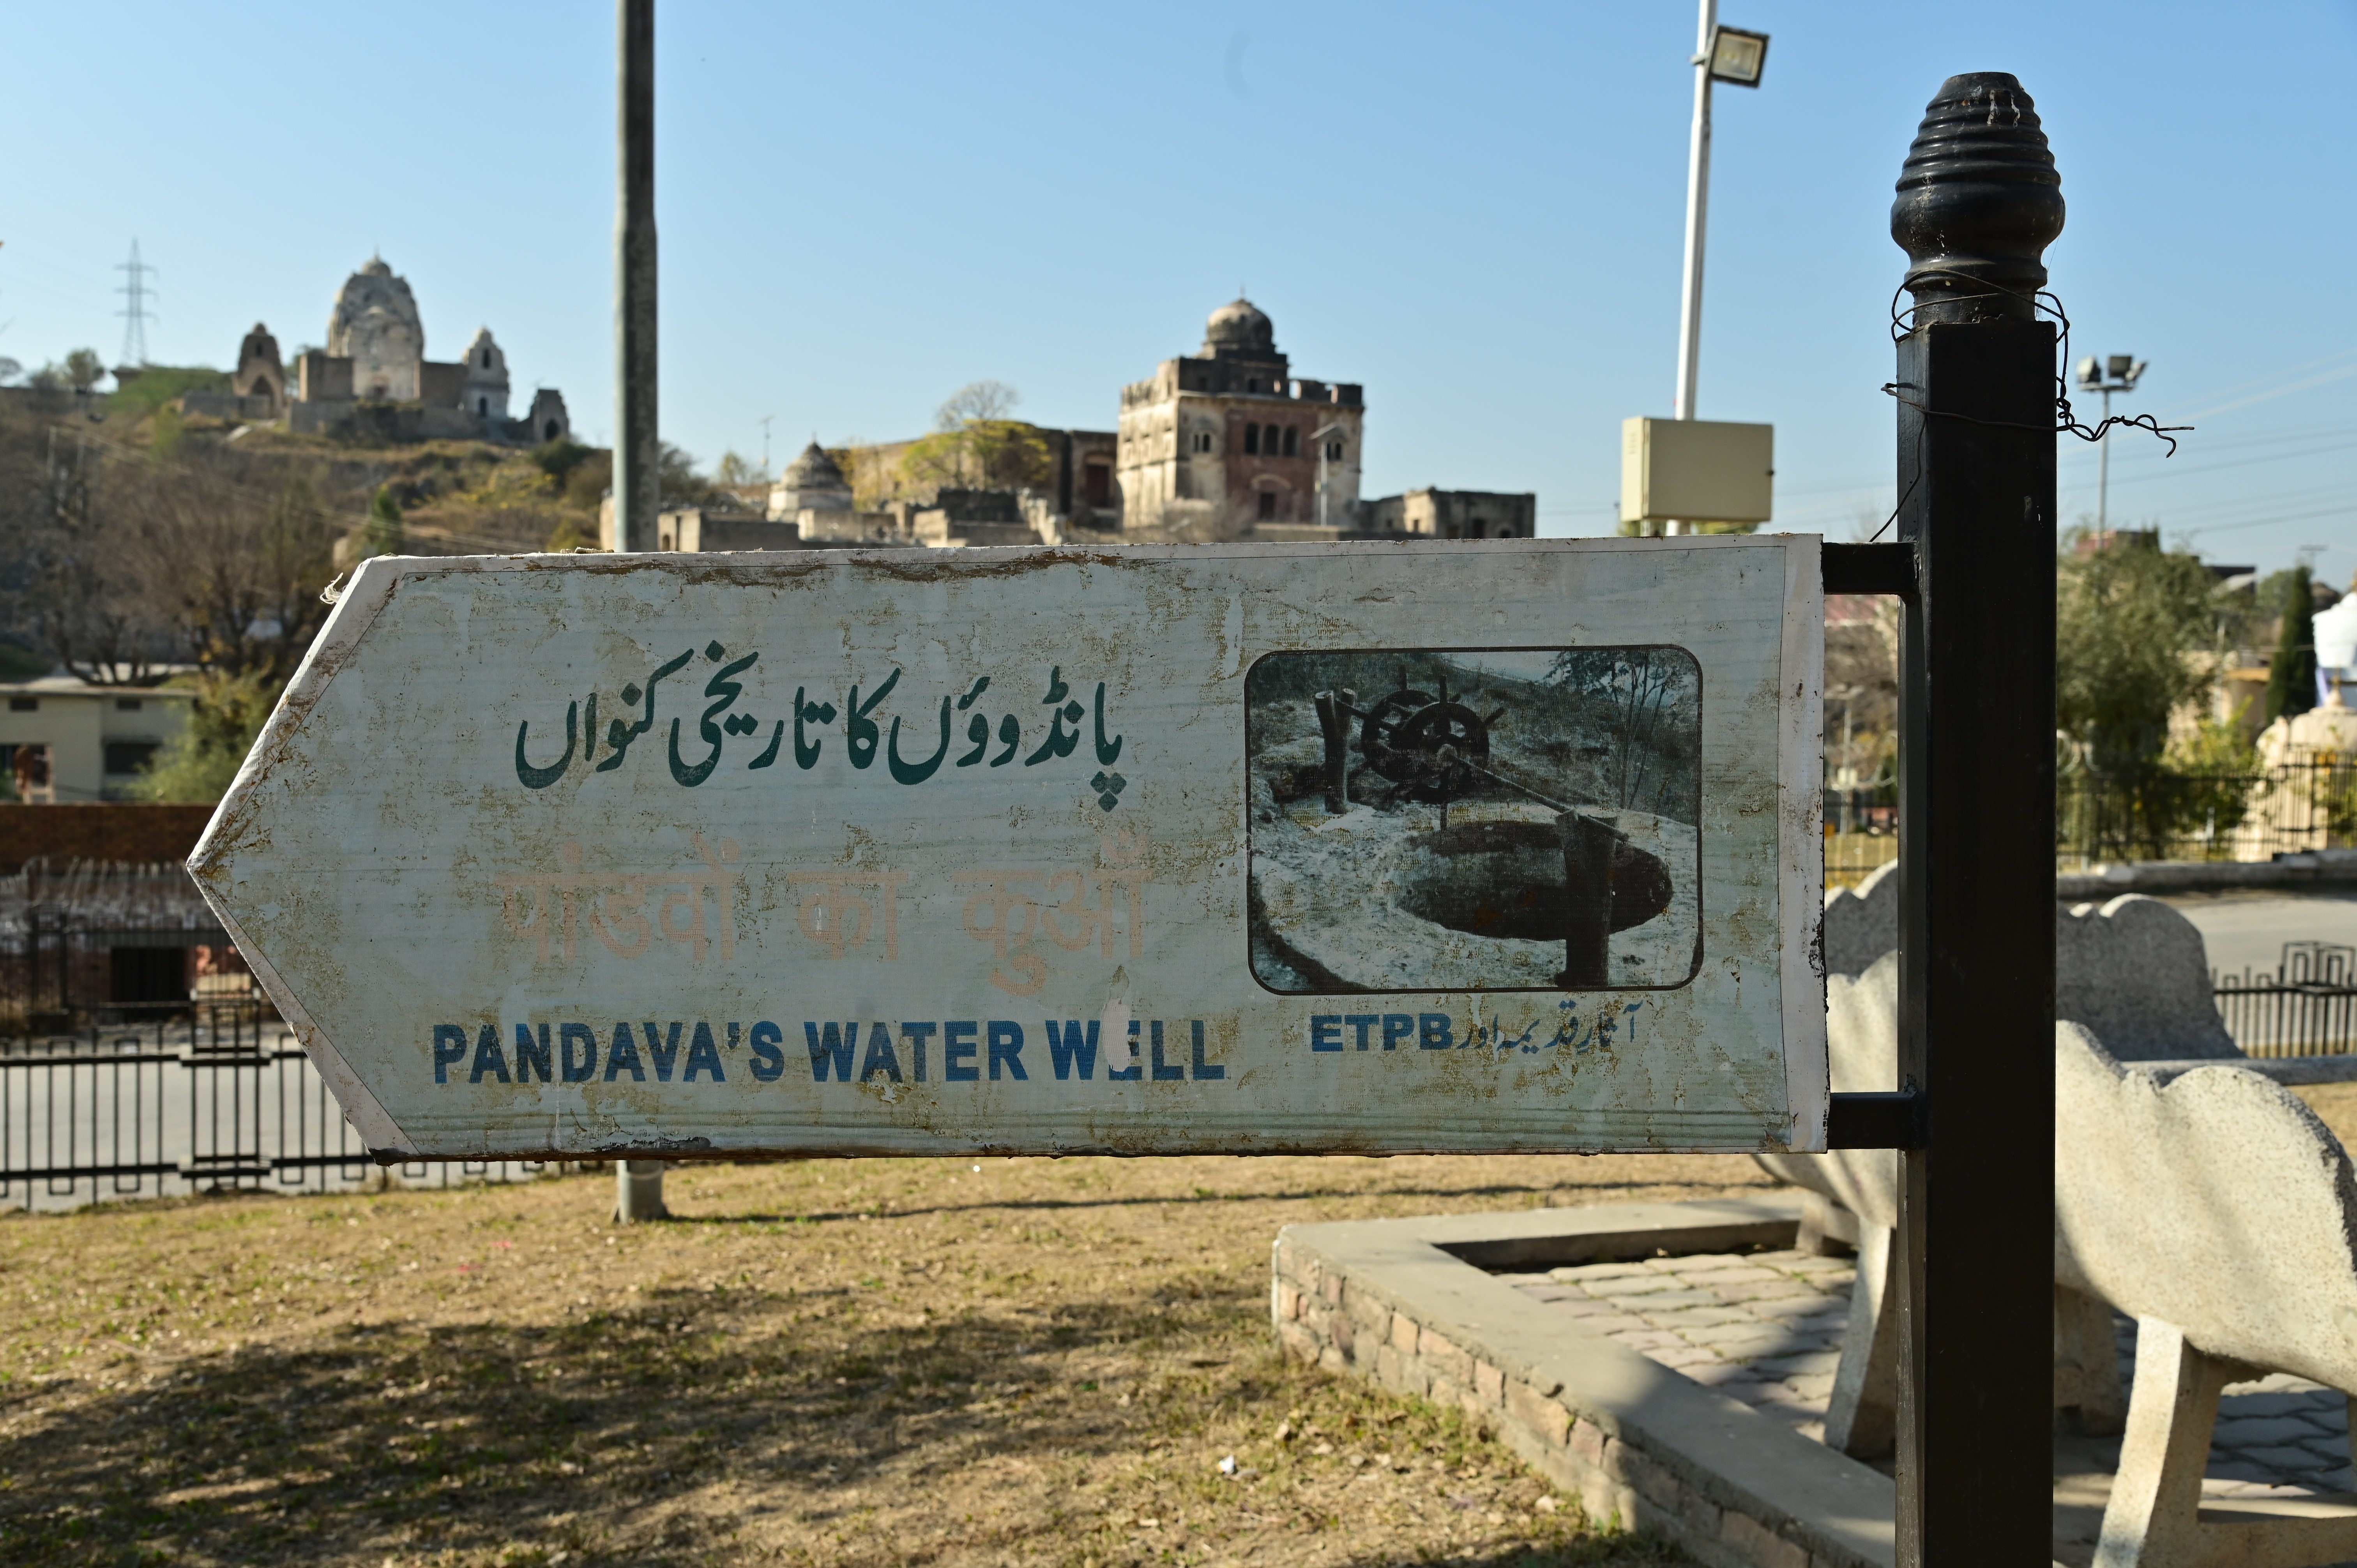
[384,534]
[2291,673]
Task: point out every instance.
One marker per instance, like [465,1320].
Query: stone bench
[2193,1192]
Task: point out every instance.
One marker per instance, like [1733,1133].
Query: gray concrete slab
[2248,931]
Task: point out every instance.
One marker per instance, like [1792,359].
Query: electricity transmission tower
[135,312]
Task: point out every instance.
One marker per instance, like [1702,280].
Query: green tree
[198,765]
[2130,618]
[383,534]
[2291,673]
[981,453]
[678,480]
[83,368]
[2131,623]
[734,472]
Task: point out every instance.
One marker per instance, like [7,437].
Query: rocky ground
[883,1362]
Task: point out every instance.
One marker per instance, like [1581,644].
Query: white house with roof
[64,740]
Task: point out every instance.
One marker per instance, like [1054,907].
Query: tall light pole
[2119,374]
[637,480]
[638,1183]
[1721,54]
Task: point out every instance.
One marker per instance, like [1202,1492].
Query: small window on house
[1267,505]
[1334,451]
[126,704]
[128,756]
[482,405]
[1096,485]
[24,704]
[1292,440]
[1252,439]
[1202,441]
[487,359]
[1253,385]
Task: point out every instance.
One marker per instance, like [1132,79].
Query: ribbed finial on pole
[1979,201]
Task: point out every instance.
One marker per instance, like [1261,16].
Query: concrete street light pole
[1697,215]
[638,1183]
[636,494]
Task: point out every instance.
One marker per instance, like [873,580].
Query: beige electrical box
[1696,470]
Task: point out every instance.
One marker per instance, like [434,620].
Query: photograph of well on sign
[1373,847]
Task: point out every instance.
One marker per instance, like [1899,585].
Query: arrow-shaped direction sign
[1245,848]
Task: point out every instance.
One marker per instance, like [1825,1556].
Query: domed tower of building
[259,372]
[1230,444]
[487,378]
[811,482]
[375,325]
[376,356]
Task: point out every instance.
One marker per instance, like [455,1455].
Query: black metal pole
[636,494]
[1588,845]
[1978,201]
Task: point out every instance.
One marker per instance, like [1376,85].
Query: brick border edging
[1391,1300]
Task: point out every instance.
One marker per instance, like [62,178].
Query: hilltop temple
[373,376]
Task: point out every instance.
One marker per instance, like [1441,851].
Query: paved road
[2247,931]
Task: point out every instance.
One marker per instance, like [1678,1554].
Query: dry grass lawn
[873,1362]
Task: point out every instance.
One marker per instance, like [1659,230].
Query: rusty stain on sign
[1248,848]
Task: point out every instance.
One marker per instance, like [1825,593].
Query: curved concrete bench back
[2216,1202]
[2220,1213]
[2134,971]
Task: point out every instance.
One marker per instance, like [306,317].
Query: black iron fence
[2307,1007]
[2293,808]
[216,1096]
[139,1059]
[2309,803]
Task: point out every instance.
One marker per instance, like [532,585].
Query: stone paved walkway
[1766,1328]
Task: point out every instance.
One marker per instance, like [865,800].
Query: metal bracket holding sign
[1381,847]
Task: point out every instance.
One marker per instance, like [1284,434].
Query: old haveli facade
[1230,442]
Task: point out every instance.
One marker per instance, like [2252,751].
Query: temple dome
[1240,325]
[813,470]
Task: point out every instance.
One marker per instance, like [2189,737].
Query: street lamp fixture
[1738,57]
[2114,373]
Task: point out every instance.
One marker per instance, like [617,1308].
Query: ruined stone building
[374,375]
[1453,514]
[1228,444]
[1231,443]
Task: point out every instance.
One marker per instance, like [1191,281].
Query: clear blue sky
[1473,210]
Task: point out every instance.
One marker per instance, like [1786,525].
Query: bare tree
[230,553]
[976,402]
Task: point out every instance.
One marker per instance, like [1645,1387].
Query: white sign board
[1504,846]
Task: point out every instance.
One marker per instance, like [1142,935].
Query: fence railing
[2293,808]
[2307,1007]
[216,1097]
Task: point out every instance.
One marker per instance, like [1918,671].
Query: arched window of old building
[1252,440]
[1292,440]
[1267,505]
[1268,440]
